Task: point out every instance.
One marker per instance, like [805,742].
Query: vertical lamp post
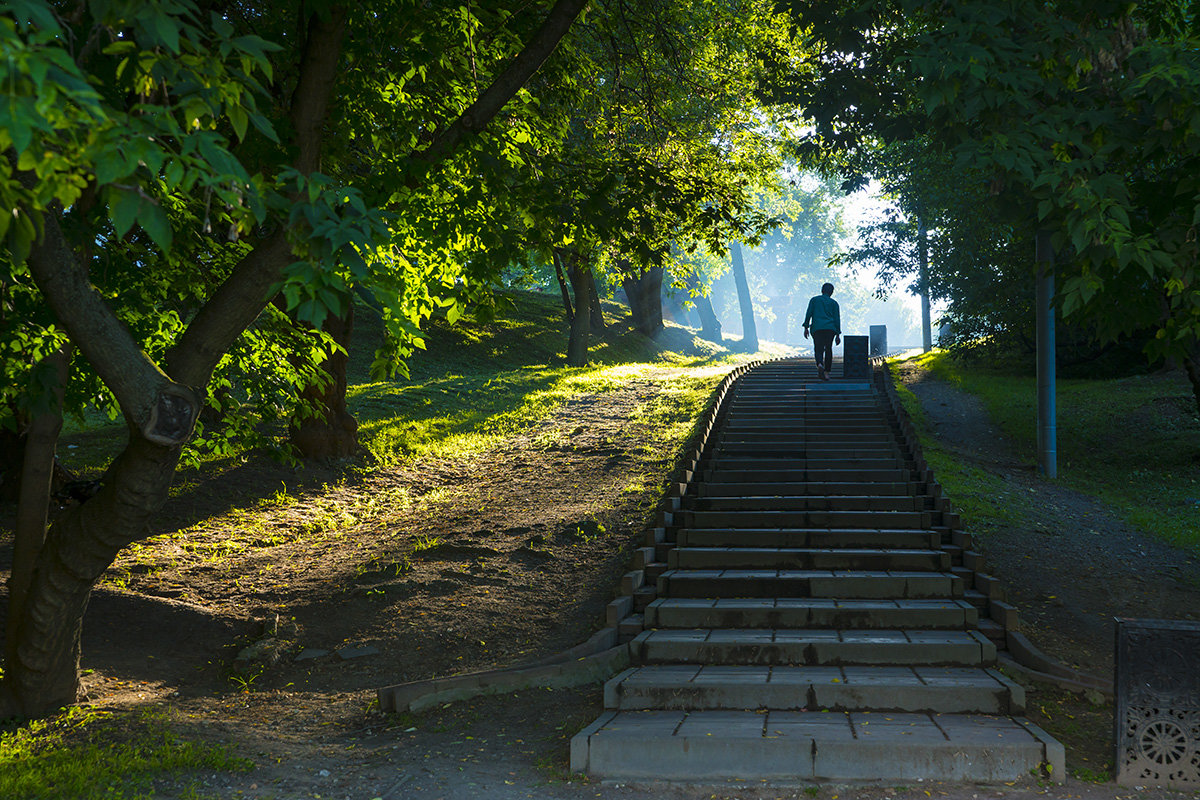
[923,250]
[1047,433]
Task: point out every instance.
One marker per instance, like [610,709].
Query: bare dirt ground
[441,568]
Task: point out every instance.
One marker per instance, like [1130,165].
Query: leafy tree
[662,152]
[156,212]
[1079,119]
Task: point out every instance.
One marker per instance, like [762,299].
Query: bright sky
[862,208]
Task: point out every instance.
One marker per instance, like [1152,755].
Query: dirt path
[449,567]
[1071,564]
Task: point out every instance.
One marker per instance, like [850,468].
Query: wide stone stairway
[807,624]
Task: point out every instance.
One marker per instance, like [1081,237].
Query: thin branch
[560,19]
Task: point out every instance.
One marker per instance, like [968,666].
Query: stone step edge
[822,758]
[614,687]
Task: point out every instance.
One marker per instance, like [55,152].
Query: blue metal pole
[1047,427]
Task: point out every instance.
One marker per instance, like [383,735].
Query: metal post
[923,251]
[1046,416]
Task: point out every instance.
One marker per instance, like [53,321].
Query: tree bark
[33,505]
[710,326]
[80,545]
[160,409]
[333,433]
[644,291]
[562,284]
[597,313]
[749,331]
[579,270]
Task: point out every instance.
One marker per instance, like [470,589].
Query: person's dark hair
[827,288]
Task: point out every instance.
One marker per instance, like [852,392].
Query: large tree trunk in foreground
[644,291]
[749,331]
[80,545]
[579,270]
[333,432]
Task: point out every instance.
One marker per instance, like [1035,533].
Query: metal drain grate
[1158,703]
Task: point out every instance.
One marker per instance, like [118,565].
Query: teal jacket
[823,314]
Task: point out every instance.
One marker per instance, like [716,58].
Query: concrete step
[800,488]
[830,425]
[727,450]
[847,584]
[809,612]
[734,463]
[942,690]
[812,647]
[810,502]
[726,474]
[892,520]
[798,745]
[801,437]
[806,537]
[806,558]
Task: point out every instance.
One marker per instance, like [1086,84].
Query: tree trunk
[923,277]
[597,313]
[645,300]
[333,432]
[12,461]
[710,326]
[562,285]
[1191,364]
[749,331]
[33,505]
[44,675]
[580,272]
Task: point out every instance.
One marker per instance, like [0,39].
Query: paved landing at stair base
[807,624]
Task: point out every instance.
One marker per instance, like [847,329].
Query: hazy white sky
[862,208]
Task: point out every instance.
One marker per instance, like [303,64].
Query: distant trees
[1078,119]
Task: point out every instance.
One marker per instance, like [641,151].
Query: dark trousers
[823,345]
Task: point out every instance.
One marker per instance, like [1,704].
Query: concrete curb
[1086,683]
[560,672]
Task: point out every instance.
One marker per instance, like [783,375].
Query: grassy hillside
[1134,441]
[477,381]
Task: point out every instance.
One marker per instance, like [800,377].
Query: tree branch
[243,296]
[560,19]
[161,409]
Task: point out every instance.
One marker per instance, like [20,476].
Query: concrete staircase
[807,621]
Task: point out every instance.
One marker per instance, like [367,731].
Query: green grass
[81,755]
[980,496]
[474,384]
[480,382]
[1133,441]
